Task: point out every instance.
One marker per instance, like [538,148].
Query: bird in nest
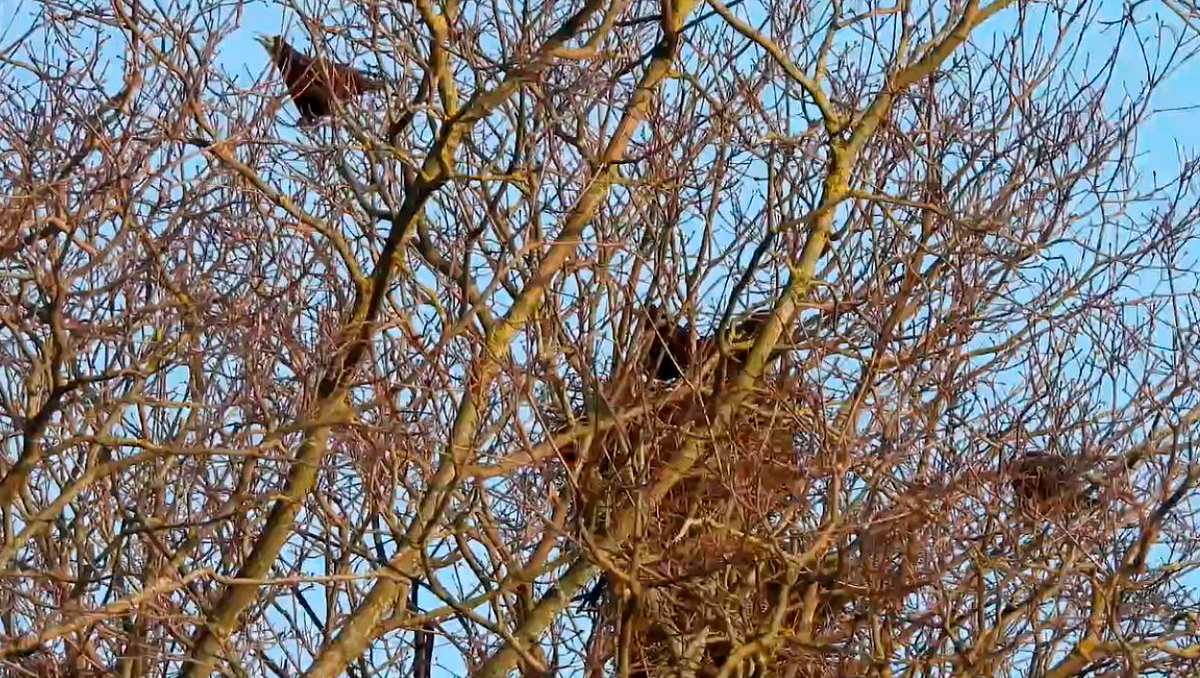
[670,353]
[316,85]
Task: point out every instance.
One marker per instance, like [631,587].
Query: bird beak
[264,40]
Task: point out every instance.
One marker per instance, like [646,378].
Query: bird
[594,596]
[316,85]
[670,351]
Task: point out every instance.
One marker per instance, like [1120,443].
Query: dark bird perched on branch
[670,350]
[316,85]
[593,597]
[670,353]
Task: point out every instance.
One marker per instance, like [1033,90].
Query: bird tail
[371,80]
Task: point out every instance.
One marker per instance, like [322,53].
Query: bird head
[269,42]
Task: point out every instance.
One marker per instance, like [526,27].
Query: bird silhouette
[316,85]
[671,354]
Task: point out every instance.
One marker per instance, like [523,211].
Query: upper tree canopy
[598,337]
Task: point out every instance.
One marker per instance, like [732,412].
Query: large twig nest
[1045,483]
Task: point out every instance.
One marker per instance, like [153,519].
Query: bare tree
[616,337]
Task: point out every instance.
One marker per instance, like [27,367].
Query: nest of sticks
[729,573]
[729,555]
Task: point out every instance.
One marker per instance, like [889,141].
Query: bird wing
[356,82]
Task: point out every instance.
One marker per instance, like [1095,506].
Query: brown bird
[670,351]
[316,85]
